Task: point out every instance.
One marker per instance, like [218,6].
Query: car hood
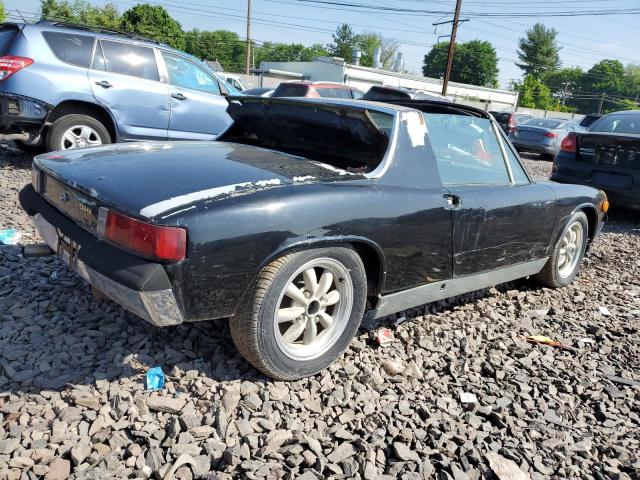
[149,179]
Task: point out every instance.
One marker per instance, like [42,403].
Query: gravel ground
[458,395]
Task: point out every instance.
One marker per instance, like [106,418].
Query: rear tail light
[512,123]
[551,134]
[569,143]
[163,243]
[10,64]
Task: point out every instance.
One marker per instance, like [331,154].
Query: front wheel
[565,260]
[303,312]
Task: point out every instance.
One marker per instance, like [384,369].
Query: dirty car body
[297,174]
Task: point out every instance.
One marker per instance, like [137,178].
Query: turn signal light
[569,143]
[10,64]
[163,243]
[605,206]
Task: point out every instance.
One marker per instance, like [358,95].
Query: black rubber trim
[121,267]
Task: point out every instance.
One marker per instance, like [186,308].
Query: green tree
[221,45]
[344,41]
[3,12]
[474,62]
[367,42]
[81,12]
[288,52]
[153,21]
[535,94]
[538,51]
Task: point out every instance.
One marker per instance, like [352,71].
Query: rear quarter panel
[231,240]
[48,79]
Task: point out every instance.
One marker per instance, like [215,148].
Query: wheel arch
[99,112]
[591,212]
[370,253]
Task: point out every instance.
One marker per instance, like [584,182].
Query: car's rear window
[542,122]
[466,149]
[617,123]
[332,92]
[71,47]
[291,91]
[7,34]
[376,95]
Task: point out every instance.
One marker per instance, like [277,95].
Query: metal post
[452,46]
[601,102]
[248,59]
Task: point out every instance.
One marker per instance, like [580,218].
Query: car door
[198,108]
[124,78]
[500,218]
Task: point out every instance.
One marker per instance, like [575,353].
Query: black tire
[550,275]
[61,125]
[253,327]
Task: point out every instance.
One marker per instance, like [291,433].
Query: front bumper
[20,114]
[139,286]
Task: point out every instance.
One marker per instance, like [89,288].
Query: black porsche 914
[307,215]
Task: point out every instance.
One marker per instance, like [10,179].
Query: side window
[183,73]
[519,175]
[98,59]
[466,149]
[70,47]
[129,60]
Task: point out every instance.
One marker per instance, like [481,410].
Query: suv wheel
[76,131]
[303,312]
[565,260]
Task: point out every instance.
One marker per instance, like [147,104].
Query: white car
[233,80]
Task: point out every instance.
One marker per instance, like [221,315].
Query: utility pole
[601,102]
[248,59]
[452,46]
[565,92]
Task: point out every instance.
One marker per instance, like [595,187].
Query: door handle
[178,96]
[104,84]
[453,201]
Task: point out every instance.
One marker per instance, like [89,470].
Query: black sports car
[307,215]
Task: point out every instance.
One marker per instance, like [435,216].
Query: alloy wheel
[570,249]
[313,309]
[80,136]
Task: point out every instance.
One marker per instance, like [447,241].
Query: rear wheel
[76,131]
[302,313]
[565,260]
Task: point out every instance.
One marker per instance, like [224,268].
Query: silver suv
[63,86]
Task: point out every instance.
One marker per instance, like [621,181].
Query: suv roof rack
[91,28]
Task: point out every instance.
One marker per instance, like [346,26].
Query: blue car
[63,86]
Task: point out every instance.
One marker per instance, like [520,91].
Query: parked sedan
[306,216]
[379,93]
[510,120]
[258,92]
[606,156]
[541,135]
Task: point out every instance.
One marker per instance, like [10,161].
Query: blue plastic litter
[155,378]
[9,236]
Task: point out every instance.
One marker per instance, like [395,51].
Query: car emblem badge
[64,197]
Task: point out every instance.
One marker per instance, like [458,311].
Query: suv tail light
[550,134]
[569,143]
[10,64]
[163,243]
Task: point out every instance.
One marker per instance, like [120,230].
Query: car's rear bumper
[532,147]
[21,115]
[617,198]
[140,286]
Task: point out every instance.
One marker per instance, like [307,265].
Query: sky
[584,39]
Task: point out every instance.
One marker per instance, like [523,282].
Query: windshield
[543,122]
[618,123]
